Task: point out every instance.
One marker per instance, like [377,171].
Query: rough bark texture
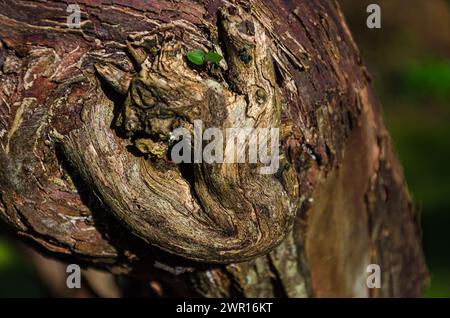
[84,121]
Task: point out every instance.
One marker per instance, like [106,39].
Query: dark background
[409,59]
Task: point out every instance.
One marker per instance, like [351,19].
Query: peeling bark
[85,116]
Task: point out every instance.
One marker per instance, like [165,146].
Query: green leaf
[213,57]
[196,56]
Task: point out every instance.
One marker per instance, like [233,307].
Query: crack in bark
[309,68]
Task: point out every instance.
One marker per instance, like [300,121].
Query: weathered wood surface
[71,109]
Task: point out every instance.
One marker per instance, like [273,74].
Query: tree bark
[84,172]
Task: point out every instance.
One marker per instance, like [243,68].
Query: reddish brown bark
[352,207]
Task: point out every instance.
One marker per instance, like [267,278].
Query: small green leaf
[213,57]
[196,56]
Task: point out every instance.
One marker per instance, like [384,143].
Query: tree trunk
[85,171]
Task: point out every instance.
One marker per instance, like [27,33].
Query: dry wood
[84,166]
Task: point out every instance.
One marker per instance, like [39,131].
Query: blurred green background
[409,59]
[17,276]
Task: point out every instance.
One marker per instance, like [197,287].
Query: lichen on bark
[85,167]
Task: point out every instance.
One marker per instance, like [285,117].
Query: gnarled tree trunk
[85,171]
